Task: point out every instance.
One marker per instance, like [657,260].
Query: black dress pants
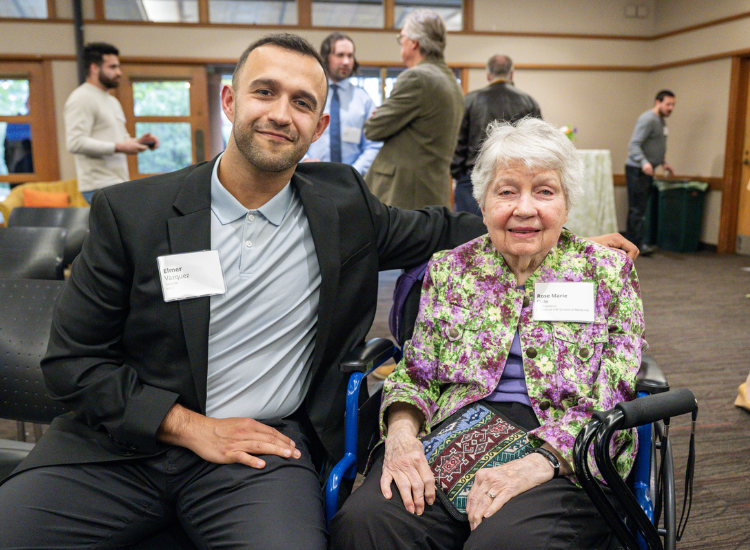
[553,516]
[639,187]
[116,505]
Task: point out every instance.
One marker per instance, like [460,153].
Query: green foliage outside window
[164,98]
[175,148]
[14,97]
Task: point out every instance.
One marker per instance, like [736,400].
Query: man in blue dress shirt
[346,139]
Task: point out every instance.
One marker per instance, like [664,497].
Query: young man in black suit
[198,337]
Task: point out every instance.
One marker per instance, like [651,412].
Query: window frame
[43,129]
[304,16]
[51,14]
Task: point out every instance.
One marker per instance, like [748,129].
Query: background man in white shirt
[355,107]
[95,124]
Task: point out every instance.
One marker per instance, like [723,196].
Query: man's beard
[256,155]
[108,83]
[342,74]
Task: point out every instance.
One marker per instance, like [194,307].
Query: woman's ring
[491,495]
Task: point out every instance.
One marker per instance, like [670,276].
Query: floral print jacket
[469,311]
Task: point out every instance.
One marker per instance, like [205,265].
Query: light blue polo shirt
[261,332]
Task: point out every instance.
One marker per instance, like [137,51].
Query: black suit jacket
[120,356]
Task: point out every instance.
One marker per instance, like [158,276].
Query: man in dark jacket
[499,100]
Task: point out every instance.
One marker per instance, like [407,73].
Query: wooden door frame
[198,117]
[730,196]
[43,128]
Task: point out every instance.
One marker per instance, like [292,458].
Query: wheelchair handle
[651,408]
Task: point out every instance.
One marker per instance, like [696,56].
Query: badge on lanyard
[191,275]
[571,302]
[350,134]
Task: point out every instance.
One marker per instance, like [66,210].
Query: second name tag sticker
[191,275]
[572,302]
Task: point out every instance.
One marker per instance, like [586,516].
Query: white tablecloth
[594,213]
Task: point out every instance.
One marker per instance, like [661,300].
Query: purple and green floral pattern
[468,315]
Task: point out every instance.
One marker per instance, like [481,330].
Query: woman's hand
[404,460]
[503,483]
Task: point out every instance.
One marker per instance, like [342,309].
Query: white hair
[428,29]
[534,143]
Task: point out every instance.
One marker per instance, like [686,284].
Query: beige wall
[563,16]
[602,104]
[678,14]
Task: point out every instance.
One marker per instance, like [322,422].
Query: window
[348,13]
[335,14]
[450,10]
[26,129]
[168,101]
[161,108]
[253,12]
[379,81]
[159,11]
[28,9]
[15,130]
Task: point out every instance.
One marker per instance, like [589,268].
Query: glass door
[171,103]
[27,131]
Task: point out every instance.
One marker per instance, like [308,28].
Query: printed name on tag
[191,275]
[572,302]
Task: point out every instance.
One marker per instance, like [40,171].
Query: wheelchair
[644,517]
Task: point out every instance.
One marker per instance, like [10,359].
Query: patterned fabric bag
[475,437]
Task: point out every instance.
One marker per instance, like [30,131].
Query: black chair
[32,252]
[650,488]
[25,318]
[74,220]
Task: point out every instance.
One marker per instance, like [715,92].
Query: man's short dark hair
[287,41]
[500,65]
[329,46]
[662,94]
[94,52]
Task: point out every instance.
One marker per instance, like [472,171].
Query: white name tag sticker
[666,130]
[572,302]
[350,134]
[191,275]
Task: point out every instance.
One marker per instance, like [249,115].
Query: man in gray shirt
[646,152]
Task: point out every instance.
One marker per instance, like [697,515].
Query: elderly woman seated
[534,323]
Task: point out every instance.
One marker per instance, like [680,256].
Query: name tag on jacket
[571,302]
[191,275]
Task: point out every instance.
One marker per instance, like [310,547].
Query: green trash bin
[651,218]
[680,207]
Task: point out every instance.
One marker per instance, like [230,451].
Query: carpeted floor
[698,328]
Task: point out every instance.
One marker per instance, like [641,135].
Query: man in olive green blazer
[419,122]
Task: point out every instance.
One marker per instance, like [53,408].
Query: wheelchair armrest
[650,378]
[368,355]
